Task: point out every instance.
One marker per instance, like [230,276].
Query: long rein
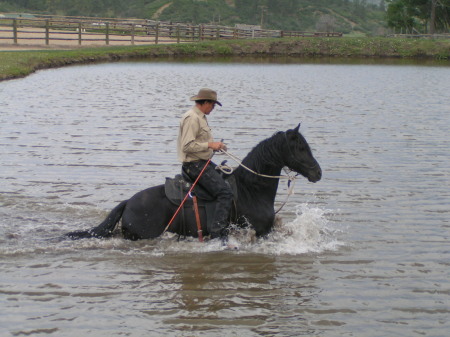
[291,178]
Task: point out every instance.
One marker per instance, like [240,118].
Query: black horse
[147,213]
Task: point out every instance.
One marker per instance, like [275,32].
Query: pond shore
[19,61]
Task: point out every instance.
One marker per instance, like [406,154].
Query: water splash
[309,232]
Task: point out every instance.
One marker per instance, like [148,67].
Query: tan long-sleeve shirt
[193,137]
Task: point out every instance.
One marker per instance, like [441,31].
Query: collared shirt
[193,137]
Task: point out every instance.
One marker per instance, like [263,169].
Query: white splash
[309,232]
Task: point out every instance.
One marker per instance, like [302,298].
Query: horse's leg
[147,214]
[260,215]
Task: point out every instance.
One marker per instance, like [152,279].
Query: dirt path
[160,10]
[34,38]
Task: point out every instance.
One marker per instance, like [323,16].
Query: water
[363,252]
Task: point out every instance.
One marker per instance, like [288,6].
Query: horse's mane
[265,155]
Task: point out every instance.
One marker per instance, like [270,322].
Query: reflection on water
[362,252]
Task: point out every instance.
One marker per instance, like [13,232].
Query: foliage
[410,15]
[300,15]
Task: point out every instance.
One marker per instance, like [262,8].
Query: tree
[400,15]
[440,15]
[359,8]
[419,14]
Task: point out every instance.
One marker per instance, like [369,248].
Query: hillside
[302,15]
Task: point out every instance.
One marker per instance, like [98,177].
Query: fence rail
[85,31]
[421,36]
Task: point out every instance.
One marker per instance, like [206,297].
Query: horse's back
[146,214]
[147,196]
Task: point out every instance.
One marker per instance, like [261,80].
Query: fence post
[132,33]
[47,33]
[218,33]
[79,33]
[15,31]
[157,33]
[178,33]
[107,33]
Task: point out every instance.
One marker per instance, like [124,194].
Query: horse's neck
[261,184]
[263,162]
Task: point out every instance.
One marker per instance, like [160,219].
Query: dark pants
[212,181]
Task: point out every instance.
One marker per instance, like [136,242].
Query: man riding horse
[151,212]
[195,147]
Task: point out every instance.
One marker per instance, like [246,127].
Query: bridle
[293,157]
[291,177]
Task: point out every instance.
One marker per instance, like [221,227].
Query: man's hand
[217,146]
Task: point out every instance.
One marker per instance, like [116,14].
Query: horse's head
[298,156]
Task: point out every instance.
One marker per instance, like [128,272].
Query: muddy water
[364,252]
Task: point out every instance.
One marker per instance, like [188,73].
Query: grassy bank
[15,64]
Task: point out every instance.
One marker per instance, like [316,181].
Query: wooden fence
[88,31]
[421,36]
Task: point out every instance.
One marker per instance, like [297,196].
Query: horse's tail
[105,229]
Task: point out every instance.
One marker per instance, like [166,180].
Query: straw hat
[206,94]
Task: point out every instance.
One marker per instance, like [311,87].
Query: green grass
[15,64]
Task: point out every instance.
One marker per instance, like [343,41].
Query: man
[195,147]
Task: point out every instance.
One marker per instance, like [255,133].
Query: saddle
[176,189]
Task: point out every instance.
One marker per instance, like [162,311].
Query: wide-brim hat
[206,94]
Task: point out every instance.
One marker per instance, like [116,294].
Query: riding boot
[219,226]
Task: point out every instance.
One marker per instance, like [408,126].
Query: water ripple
[362,252]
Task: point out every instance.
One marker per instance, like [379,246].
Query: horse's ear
[297,128]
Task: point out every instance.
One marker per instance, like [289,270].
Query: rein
[291,178]
[228,170]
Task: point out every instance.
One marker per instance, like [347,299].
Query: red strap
[197,219]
